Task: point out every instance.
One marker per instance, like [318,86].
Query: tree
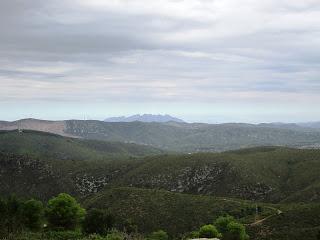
[209,231]
[32,214]
[64,212]
[3,216]
[14,214]
[236,231]
[222,223]
[159,235]
[98,221]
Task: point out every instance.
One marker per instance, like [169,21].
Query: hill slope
[269,174]
[265,174]
[185,137]
[180,137]
[176,213]
[50,146]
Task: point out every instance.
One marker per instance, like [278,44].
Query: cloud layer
[222,52]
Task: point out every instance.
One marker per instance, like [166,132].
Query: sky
[200,60]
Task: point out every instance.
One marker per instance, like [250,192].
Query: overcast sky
[201,60]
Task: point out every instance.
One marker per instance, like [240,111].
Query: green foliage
[235,231]
[209,231]
[159,235]
[298,221]
[115,235]
[32,211]
[162,209]
[64,212]
[222,223]
[128,225]
[14,214]
[98,221]
[63,235]
[36,144]
[192,235]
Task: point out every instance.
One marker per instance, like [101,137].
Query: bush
[115,235]
[64,212]
[128,226]
[209,231]
[98,221]
[222,223]
[13,215]
[32,213]
[192,235]
[63,235]
[236,231]
[159,235]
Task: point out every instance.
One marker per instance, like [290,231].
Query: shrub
[222,223]
[115,235]
[209,231]
[193,235]
[13,214]
[32,213]
[63,235]
[159,235]
[64,212]
[128,226]
[236,231]
[98,221]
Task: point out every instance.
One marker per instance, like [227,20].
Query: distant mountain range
[145,118]
[177,136]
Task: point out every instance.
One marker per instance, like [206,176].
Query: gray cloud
[166,50]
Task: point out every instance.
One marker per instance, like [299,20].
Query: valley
[144,182]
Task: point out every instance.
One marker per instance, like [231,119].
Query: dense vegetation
[269,174]
[158,197]
[63,218]
[51,146]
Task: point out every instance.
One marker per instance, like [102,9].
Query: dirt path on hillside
[260,221]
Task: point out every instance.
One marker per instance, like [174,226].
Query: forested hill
[179,137]
[183,137]
[56,147]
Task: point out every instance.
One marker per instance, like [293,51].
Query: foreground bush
[63,212]
[209,231]
[98,221]
[236,231]
[222,223]
[159,235]
[32,213]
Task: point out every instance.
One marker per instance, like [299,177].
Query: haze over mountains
[180,136]
[144,118]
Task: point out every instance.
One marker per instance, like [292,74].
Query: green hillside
[50,146]
[269,174]
[179,214]
[265,174]
[175,213]
[183,137]
[295,223]
[175,192]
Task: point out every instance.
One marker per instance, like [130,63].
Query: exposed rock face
[216,179]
